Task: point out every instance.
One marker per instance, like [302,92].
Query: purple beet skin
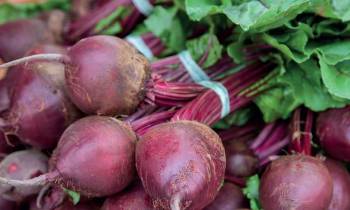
[17,37]
[341,185]
[296,182]
[39,109]
[112,65]
[133,198]
[95,156]
[230,197]
[22,165]
[181,165]
[333,130]
[240,160]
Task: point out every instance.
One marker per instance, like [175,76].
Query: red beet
[333,130]
[7,205]
[95,157]
[39,106]
[230,197]
[17,37]
[102,148]
[240,160]
[181,164]
[134,198]
[341,185]
[22,165]
[106,75]
[296,182]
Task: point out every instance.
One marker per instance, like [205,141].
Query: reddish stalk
[302,123]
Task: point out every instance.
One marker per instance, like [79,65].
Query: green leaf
[208,45]
[301,84]
[237,118]
[109,25]
[332,8]
[252,191]
[10,12]
[258,16]
[198,9]
[75,197]
[166,24]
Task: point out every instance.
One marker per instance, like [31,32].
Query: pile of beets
[91,124]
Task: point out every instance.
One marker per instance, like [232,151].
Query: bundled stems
[302,123]
[84,26]
[206,108]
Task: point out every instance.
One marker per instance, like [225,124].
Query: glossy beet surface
[333,130]
[133,198]
[95,156]
[17,37]
[296,182]
[341,185]
[39,107]
[22,165]
[230,197]
[181,164]
[106,76]
[240,160]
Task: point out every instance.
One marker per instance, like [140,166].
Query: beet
[181,164]
[133,198]
[230,197]
[39,108]
[240,160]
[17,37]
[106,75]
[341,185]
[95,157]
[296,182]
[102,148]
[22,165]
[333,130]
[7,205]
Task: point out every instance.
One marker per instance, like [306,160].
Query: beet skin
[333,130]
[341,185]
[230,197]
[95,156]
[40,109]
[17,37]
[106,75]
[181,165]
[22,165]
[240,160]
[296,182]
[133,198]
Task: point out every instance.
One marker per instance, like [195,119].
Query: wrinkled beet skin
[296,182]
[106,76]
[341,185]
[230,197]
[333,130]
[22,165]
[181,158]
[7,205]
[132,199]
[240,160]
[17,37]
[40,109]
[95,156]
